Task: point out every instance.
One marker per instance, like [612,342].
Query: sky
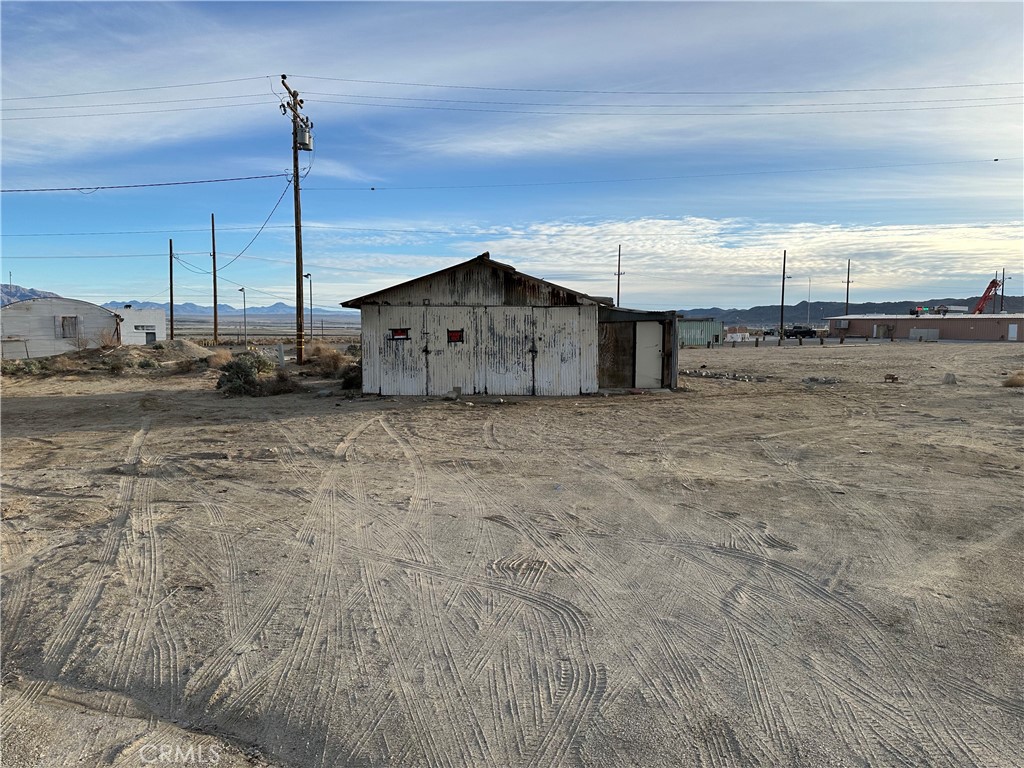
[703,139]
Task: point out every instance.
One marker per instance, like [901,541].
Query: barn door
[558,338]
[451,350]
[508,350]
[402,341]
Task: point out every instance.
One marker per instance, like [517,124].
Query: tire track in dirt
[205,688]
[60,646]
[918,712]
[454,694]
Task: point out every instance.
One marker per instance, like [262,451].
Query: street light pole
[245,324]
[808,301]
[847,311]
[309,276]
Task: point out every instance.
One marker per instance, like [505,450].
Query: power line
[143,103]
[660,93]
[666,114]
[139,112]
[652,106]
[283,192]
[135,90]
[658,178]
[103,256]
[140,186]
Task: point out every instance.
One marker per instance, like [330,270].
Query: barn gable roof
[477,282]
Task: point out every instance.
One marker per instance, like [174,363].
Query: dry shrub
[318,349]
[219,359]
[351,376]
[60,364]
[1015,379]
[330,362]
[187,365]
[281,384]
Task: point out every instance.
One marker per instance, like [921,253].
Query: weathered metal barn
[961,327]
[480,326]
[52,326]
[486,328]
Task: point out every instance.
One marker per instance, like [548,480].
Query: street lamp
[309,276]
[808,301]
[245,325]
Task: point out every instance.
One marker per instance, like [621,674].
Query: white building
[53,326]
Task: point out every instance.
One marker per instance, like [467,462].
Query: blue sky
[704,138]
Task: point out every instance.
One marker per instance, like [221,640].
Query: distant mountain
[198,310]
[768,315]
[11,293]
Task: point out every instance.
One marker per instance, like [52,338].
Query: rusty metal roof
[477,282]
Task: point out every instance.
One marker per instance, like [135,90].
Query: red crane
[986,297]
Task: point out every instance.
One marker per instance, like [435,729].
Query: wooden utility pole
[213,253]
[301,139]
[170,248]
[1002,290]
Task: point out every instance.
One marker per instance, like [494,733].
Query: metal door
[507,350]
[649,358]
[451,351]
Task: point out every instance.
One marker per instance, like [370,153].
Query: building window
[455,336]
[145,327]
[69,327]
[399,334]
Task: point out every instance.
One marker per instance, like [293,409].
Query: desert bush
[260,362]
[10,367]
[219,359]
[108,340]
[240,377]
[148,362]
[281,384]
[1015,379]
[353,350]
[186,365]
[351,376]
[329,362]
[157,345]
[61,363]
[318,349]
[31,367]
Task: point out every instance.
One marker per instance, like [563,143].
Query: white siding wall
[36,328]
[505,350]
[151,320]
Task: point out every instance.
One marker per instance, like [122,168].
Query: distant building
[953,327]
[700,331]
[485,328]
[44,327]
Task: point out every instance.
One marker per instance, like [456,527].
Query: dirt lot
[742,573]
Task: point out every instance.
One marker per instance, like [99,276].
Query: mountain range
[765,315]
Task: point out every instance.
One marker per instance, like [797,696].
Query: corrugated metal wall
[698,332]
[409,350]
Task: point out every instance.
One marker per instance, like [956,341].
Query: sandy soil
[742,573]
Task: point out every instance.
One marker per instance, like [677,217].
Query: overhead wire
[273,210]
[150,184]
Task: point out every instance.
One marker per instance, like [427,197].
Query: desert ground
[787,562]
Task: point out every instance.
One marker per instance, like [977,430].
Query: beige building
[950,327]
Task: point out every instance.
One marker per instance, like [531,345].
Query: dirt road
[815,569]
